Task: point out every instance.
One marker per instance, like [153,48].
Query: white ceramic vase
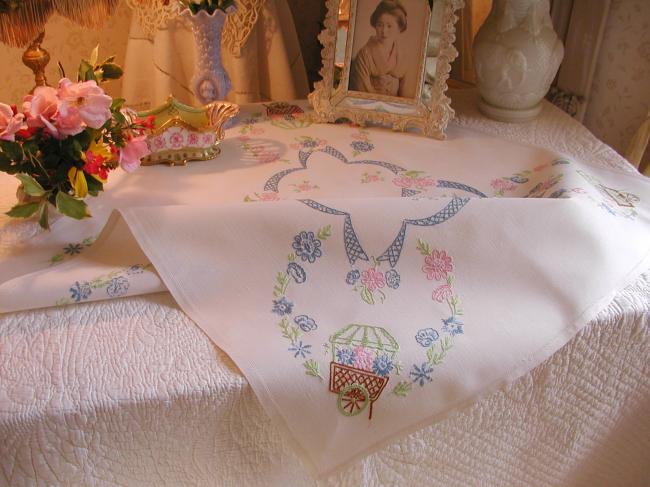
[516,56]
[211,81]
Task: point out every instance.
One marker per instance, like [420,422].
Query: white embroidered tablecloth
[400,181]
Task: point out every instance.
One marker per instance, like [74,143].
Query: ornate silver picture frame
[387,62]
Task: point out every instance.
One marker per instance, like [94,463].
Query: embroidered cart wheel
[356,388]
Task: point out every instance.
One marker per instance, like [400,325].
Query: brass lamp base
[36,58]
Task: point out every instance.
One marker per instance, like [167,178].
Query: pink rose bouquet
[63,142]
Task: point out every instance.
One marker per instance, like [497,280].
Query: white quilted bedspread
[130,392]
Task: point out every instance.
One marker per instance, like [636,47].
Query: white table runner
[423,291]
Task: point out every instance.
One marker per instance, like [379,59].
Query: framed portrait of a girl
[387,62]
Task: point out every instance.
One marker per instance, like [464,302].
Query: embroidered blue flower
[72,249]
[135,269]
[80,291]
[452,326]
[305,323]
[560,161]
[382,365]
[345,356]
[282,306]
[519,179]
[426,337]
[392,279]
[296,272]
[300,349]
[560,193]
[421,374]
[362,146]
[250,121]
[118,286]
[352,277]
[307,246]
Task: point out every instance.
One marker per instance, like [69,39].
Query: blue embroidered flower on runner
[392,279]
[352,277]
[382,365]
[426,337]
[296,272]
[282,306]
[307,246]
[422,373]
[305,323]
[300,349]
[80,291]
[117,287]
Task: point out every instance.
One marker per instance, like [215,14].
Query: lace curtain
[153,14]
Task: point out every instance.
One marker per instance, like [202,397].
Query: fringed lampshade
[23,23]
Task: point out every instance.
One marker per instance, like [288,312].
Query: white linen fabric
[272,216]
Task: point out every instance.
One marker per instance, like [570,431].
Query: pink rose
[41,108]
[373,279]
[437,265]
[363,358]
[93,104]
[131,154]
[10,123]
[176,140]
[68,120]
[441,293]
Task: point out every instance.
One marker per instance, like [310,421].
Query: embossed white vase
[516,56]
[211,81]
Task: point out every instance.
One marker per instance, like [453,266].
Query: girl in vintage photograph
[381,65]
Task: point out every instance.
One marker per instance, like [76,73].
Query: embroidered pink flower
[425,182]
[501,184]
[208,139]
[241,138]
[193,139]
[10,122]
[176,140]
[403,181]
[269,196]
[442,293]
[41,107]
[131,154]
[93,104]
[437,265]
[363,358]
[373,279]
[158,143]
[267,156]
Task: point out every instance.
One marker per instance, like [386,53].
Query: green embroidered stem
[290,332]
[436,358]
[280,288]
[367,295]
[424,248]
[325,232]
[402,388]
[312,368]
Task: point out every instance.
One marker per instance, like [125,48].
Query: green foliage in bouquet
[64,142]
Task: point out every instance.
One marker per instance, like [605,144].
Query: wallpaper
[620,95]
[68,43]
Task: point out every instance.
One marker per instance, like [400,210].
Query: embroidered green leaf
[402,388]
[88,241]
[446,343]
[291,333]
[248,199]
[423,247]
[450,279]
[398,367]
[367,296]
[312,368]
[57,258]
[325,232]
[412,174]
[282,280]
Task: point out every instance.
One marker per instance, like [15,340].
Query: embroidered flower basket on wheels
[362,358]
